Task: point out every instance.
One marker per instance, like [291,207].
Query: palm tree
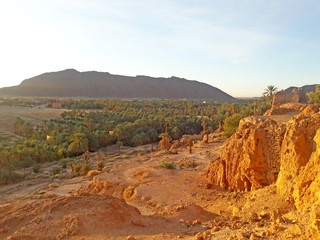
[119,144]
[205,131]
[270,90]
[268,93]
[79,143]
[190,144]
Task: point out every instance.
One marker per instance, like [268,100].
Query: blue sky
[239,46]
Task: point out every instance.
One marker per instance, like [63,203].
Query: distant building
[296,96]
[56,105]
[42,106]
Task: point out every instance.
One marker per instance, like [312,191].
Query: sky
[238,46]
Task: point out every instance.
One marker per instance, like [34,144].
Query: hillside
[71,83]
[305,88]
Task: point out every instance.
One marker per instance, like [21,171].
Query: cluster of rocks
[264,151]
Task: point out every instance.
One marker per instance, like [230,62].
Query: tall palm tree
[79,143]
[270,90]
[268,94]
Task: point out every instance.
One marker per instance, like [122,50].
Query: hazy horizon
[240,47]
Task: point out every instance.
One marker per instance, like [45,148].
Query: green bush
[80,169]
[8,176]
[231,124]
[56,171]
[36,168]
[168,165]
[187,164]
[314,97]
[64,162]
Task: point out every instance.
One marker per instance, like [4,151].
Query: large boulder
[306,190]
[297,147]
[250,157]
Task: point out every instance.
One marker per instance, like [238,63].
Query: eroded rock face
[306,190]
[297,147]
[250,158]
[262,148]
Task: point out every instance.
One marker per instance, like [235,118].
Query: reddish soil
[135,197]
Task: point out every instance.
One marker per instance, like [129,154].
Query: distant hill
[305,89]
[71,83]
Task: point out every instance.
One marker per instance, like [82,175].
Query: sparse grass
[8,176]
[80,169]
[187,164]
[168,165]
[36,168]
[100,165]
[2,138]
[131,152]
[121,157]
[64,162]
[56,171]
[166,152]
[169,152]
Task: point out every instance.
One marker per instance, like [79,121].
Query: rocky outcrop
[263,151]
[250,158]
[285,108]
[296,150]
[306,190]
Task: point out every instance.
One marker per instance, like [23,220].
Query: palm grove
[92,124]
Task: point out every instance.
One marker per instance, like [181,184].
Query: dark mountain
[305,89]
[71,83]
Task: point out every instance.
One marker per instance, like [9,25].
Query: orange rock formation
[250,158]
[264,151]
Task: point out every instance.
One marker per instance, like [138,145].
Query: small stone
[130,237]
[274,215]
[315,211]
[254,237]
[182,220]
[51,186]
[316,225]
[215,229]
[180,207]
[280,220]
[206,234]
[199,236]
[253,216]
[138,223]
[196,222]
[236,212]
[189,222]
[93,173]
[263,214]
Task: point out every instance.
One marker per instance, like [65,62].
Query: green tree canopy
[314,97]
[79,143]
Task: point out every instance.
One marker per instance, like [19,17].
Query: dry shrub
[168,165]
[187,163]
[128,193]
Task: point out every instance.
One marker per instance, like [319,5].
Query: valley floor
[134,198]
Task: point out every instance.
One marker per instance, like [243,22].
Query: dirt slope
[135,197]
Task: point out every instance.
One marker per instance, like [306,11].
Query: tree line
[92,124]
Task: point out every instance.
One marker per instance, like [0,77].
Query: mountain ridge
[305,88]
[72,83]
